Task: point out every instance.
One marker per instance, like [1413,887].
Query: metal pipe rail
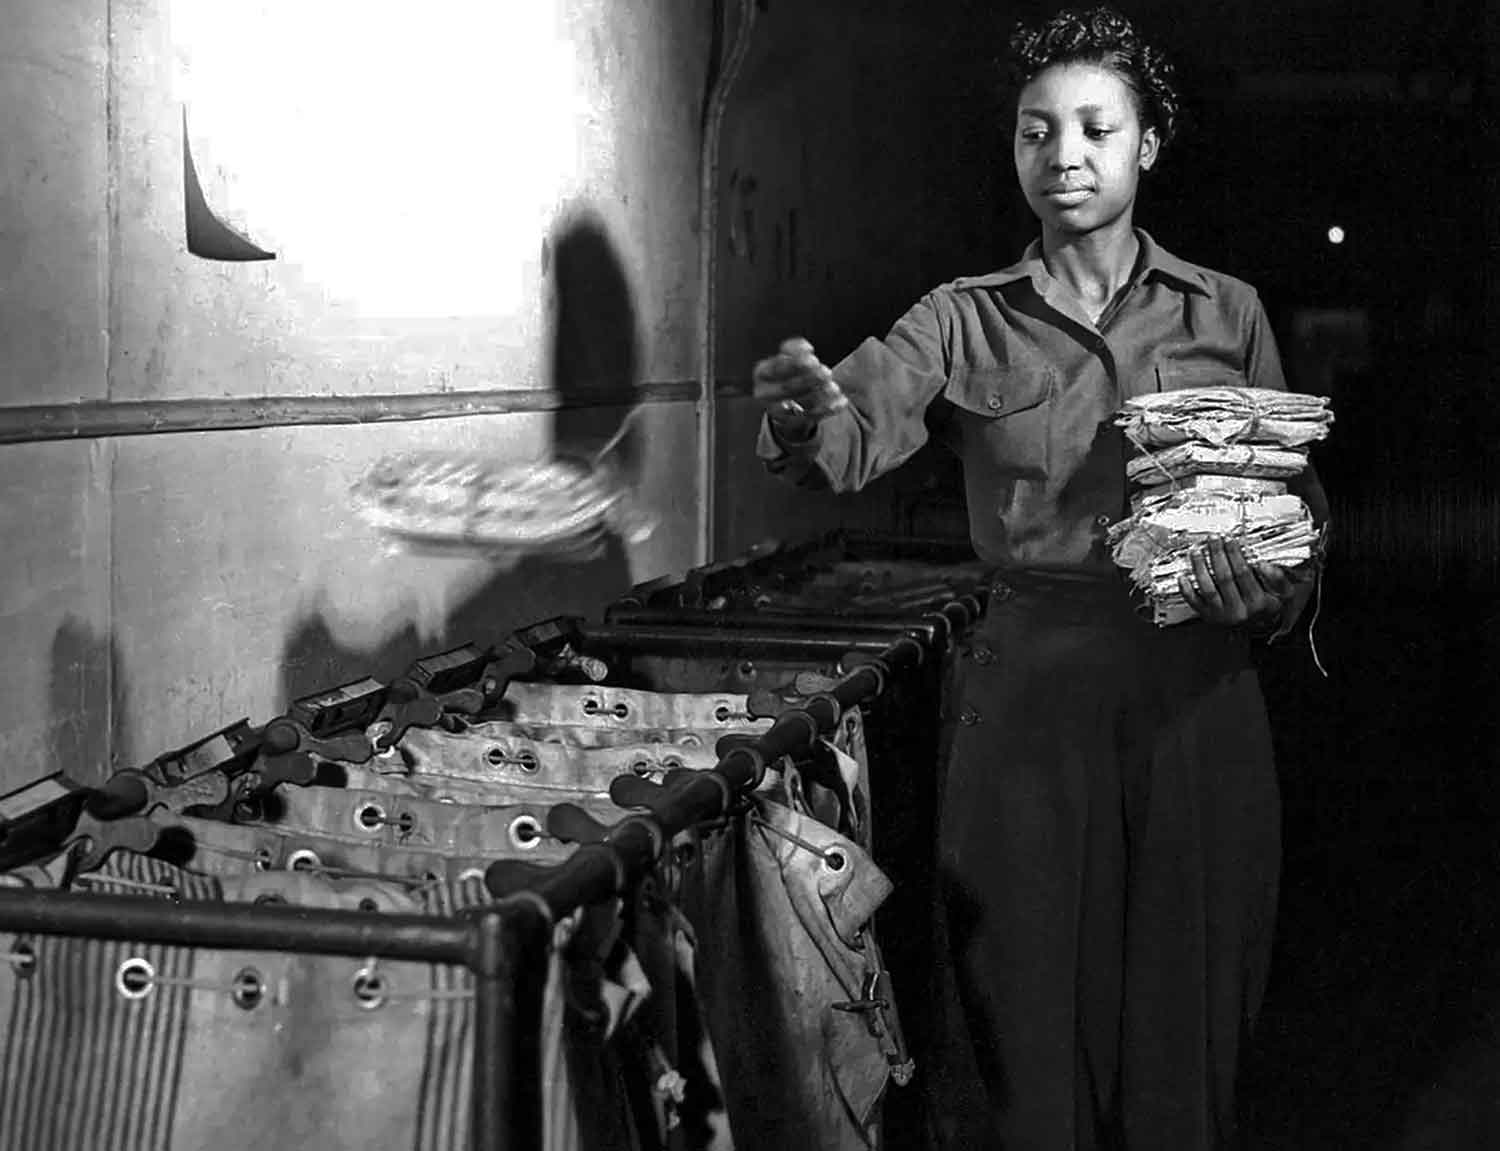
[939,622]
[930,628]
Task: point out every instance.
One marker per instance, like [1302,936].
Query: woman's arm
[889,384]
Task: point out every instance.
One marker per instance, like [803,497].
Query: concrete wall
[54,517]
[505,197]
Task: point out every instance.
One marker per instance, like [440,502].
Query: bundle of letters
[1214,463]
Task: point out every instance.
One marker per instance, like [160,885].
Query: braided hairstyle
[1101,36]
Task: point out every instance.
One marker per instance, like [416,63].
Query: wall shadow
[595,364]
[84,691]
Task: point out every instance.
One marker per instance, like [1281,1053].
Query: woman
[1109,841]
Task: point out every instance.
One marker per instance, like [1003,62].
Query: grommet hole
[23,959]
[369,988]
[303,860]
[525,832]
[371,816]
[135,978]
[248,989]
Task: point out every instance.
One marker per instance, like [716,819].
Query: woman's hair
[1104,37]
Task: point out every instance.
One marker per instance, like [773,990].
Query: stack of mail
[1195,459]
[1155,543]
[1218,471]
[1254,432]
[1225,416]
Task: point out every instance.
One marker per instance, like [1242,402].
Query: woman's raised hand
[798,389]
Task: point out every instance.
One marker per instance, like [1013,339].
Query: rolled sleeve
[794,463]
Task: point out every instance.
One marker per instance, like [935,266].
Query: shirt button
[995,403]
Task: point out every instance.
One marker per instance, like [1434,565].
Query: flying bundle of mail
[1213,462]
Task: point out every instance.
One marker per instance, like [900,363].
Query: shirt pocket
[1004,415]
[1174,375]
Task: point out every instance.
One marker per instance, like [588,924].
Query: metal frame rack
[499,942]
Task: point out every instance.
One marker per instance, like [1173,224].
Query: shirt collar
[1154,260]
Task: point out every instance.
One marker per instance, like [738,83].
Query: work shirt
[1009,371]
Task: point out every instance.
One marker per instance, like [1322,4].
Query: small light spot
[1335,235]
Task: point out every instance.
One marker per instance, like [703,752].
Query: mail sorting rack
[501,943]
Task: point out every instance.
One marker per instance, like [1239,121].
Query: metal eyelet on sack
[622,711]
[527,761]
[369,817]
[248,988]
[525,832]
[590,705]
[367,904]
[642,767]
[23,959]
[834,859]
[672,762]
[471,873]
[264,860]
[303,859]
[689,739]
[135,978]
[369,988]
[495,756]
[723,712]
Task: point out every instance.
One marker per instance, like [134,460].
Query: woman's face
[1080,148]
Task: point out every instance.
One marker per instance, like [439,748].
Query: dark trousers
[1108,858]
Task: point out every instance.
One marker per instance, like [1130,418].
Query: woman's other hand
[798,389]
[1233,592]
